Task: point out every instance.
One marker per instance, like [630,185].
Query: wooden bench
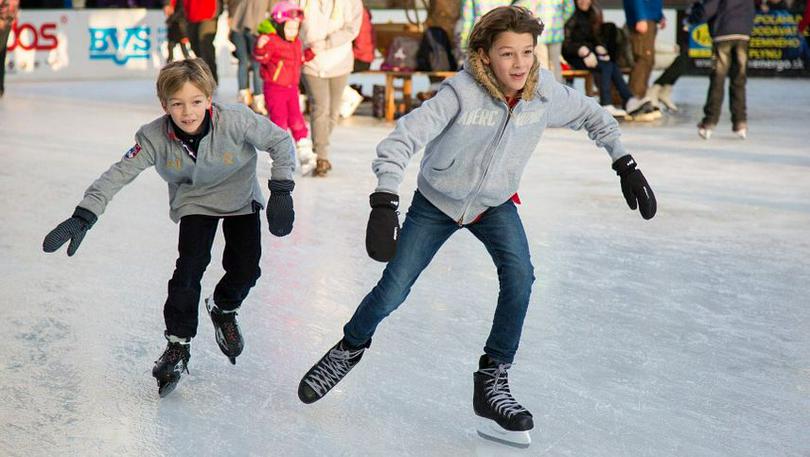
[590,87]
[402,81]
[405,86]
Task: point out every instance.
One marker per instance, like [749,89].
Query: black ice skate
[332,367]
[492,401]
[170,366]
[226,329]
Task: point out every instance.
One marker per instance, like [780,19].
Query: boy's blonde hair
[503,19]
[174,75]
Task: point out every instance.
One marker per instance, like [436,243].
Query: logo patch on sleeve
[133,151]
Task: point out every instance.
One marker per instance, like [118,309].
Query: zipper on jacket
[278,70]
[486,170]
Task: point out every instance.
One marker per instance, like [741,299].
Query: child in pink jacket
[281,55]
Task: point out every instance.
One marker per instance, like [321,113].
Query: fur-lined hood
[486,78]
[475,146]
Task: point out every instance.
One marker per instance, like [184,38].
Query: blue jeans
[244,42]
[424,231]
[609,74]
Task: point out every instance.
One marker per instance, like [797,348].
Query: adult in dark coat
[730,24]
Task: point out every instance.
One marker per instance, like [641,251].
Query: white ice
[687,335]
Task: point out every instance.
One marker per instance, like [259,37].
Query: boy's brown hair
[175,74]
[514,19]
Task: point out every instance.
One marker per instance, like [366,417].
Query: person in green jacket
[553,13]
[471,10]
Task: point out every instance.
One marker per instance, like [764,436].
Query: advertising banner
[93,44]
[776,47]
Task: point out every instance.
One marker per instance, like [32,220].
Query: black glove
[635,187]
[383,226]
[72,229]
[280,214]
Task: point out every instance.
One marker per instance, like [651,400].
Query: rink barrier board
[47,45]
[64,44]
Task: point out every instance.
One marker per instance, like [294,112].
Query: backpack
[435,51]
[401,55]
[624,49]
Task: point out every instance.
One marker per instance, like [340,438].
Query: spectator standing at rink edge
[643,19]
[329,28]
[730,25]
[9,11]
[202,28]
[244,17]
[553,14]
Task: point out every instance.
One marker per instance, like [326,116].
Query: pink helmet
[284,11]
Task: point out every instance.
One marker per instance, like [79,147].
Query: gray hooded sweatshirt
[222,181]
[476,148]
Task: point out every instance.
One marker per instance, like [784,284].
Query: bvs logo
[108,43]
[29,38]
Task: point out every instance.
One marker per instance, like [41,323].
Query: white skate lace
[331,370]
[497,391]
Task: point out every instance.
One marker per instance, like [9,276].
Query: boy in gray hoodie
[478,131]
[206,152]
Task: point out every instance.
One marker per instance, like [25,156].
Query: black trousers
[4,32]
[201,35]
[673,72]
[359,65]
[240,261]
[729,58]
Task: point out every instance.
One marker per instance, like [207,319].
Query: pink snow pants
[284,110]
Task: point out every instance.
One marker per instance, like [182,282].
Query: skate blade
[233,360]
[490,430]
[166,387]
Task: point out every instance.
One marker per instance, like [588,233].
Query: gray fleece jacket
[476,148]
[222,182]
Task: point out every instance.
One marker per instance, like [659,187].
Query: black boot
[492,400]
[171,364]
[332,367]
[226,329]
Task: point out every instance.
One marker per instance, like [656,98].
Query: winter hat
[286,11]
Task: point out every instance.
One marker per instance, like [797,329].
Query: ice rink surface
[687,335]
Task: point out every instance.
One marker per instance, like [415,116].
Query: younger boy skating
[206,152]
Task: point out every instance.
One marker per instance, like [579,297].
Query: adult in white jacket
[329,28]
